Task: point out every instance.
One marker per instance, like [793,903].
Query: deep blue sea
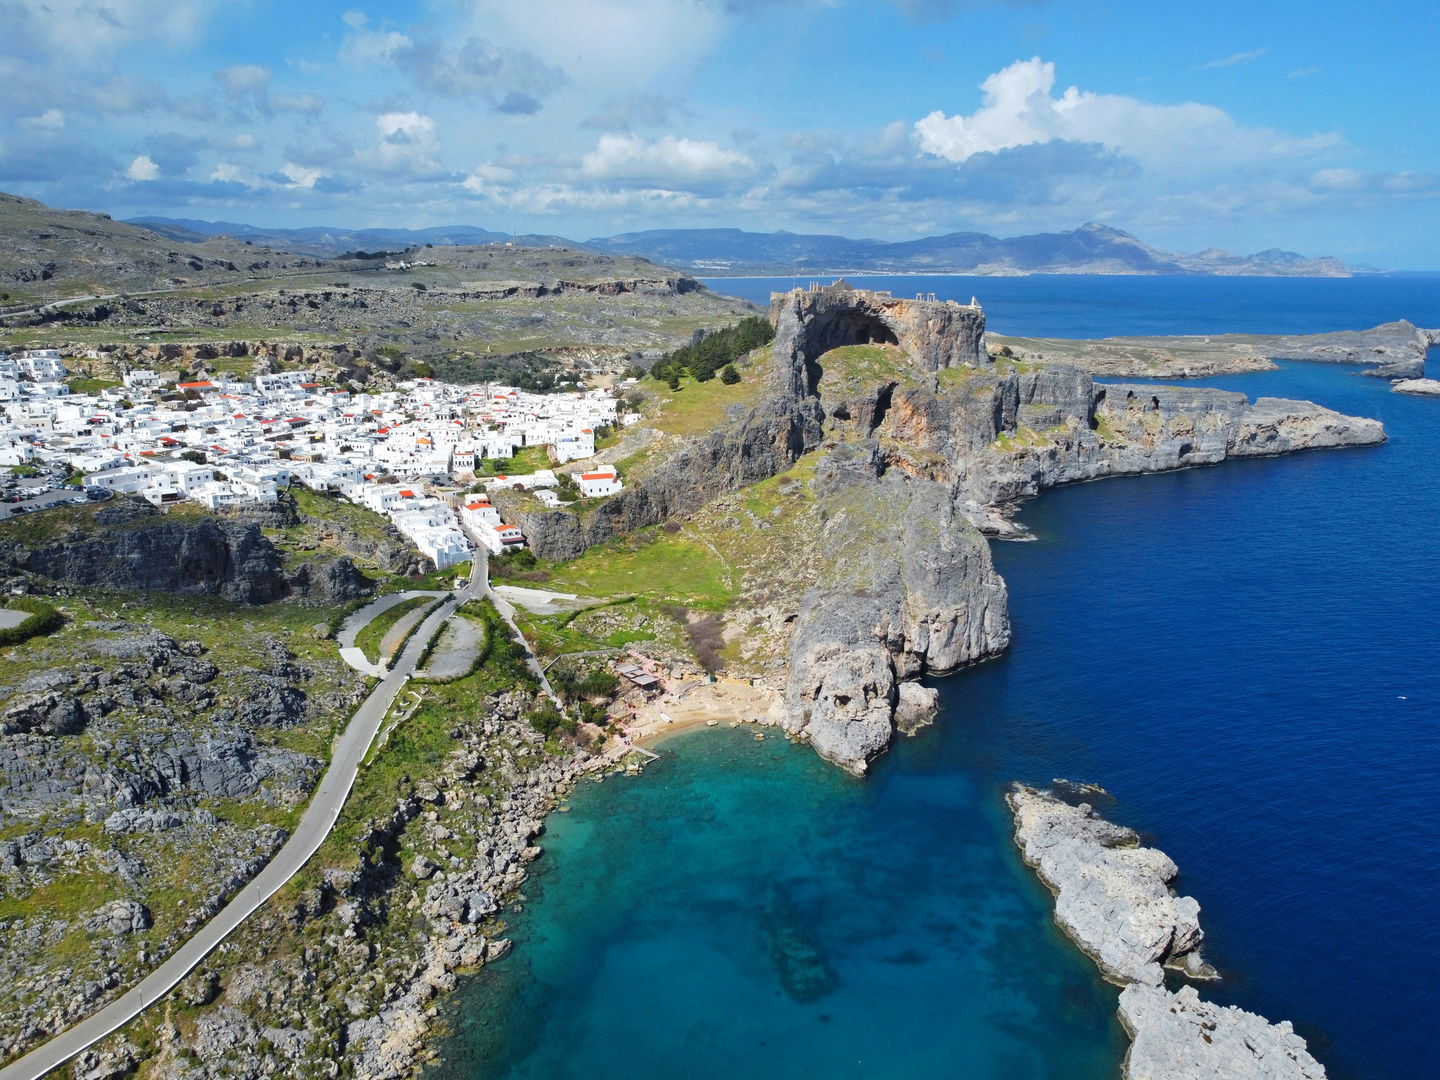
[1244,655]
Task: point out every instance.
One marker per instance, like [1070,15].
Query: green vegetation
[84,385]
[527,459]
[23,470]
[43,619]
[368,639]
[702,359]
[693,408]
[655,564]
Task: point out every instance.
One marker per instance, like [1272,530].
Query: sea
[1244,656]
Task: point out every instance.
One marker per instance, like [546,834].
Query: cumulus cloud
[511,80]
[1019,110]
[667,161]
[300,176]
[45,30]
[49,120]
[607,45]
[409,145]
[142,168]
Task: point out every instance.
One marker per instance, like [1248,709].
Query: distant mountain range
[1090,249]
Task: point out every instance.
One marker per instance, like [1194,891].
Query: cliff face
[136,548]
[924,442]
[909,588]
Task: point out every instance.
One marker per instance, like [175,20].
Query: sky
[1306,126]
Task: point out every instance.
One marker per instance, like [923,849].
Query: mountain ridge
[1090,249]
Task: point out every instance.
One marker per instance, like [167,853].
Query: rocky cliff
[754,444]
[129,545]
[924,444]
[921,448]
[908,589]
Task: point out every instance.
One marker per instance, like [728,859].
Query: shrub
[43,619]
[729,376]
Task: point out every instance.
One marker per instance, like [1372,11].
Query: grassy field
[368,639]
[661,566]
[698,407]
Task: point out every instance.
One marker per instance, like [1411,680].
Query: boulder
[119,917]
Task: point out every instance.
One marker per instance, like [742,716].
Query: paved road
[480,579]
[350,749]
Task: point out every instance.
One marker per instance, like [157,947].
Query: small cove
[1244,655]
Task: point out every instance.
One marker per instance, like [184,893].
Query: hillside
[47,254]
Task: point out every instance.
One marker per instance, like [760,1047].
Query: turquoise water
[744,910]
[1245,655]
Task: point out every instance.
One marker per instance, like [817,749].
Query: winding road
[319,818]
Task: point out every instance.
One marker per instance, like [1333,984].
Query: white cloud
[83,29]
[49,120]
[365,47]
[666,161]
[225,173]
[142,168]
[1233,59]
[300,176]
[241,80]
[1020,110]
[409,145]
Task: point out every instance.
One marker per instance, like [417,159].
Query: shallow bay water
[1244,655]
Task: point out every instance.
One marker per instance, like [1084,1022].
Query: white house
[480,513]
[500,538]
[598,484]
[141,379]
[42,365]
[445,544]
[282,380]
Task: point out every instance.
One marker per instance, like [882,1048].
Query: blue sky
[1245,126]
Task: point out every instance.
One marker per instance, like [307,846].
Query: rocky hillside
[47,254]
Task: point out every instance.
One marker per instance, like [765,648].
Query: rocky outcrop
[136,548]
[909,590]
[1113,900]
[119,917]
[1112,896]
[1179,1037]
[1424,387]
[936,335]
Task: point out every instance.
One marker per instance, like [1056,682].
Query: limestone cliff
[909,588]
[128,545]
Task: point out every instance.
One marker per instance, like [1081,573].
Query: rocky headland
[1113,899]
[1395,350]
[922,443]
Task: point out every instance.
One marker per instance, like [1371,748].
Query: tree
[729,376]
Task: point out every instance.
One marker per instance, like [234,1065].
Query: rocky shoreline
[1113,899]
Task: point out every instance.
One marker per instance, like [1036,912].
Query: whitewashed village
[415,454]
